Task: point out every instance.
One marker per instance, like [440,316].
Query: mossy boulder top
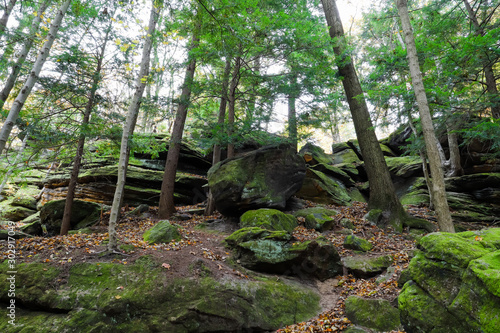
[454,283]
[162,232]
[317,218]
[271,219]
[376,314]
[142,297]
[265,178]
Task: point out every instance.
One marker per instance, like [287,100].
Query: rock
[320,188]
[453,283]
[405,166]
[25,201]
[398,140]
[313,155]
[265,178]
[346,223]
[317,218]
[6,234]
[143,208]
[270,219]
[358,244]
[15,213]
[140,297]
[367,266]
[83,214]
[275,252]
[162,232]
[376,314]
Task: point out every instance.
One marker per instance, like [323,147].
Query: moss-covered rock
[323,189]
[107,297]
[162,232]
[376,314]
[265,178]
[358,244]
[317,218]
[405,166]
[453,283]
[366,266]
[275,252]
[271,219]
[15,213]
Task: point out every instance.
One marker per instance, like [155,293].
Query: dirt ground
[202,238]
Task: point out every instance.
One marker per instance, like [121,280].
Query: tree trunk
[440,201]
[11,80]
[210,208]
[232,104]
[33,77]
[128,128]
[292,112]
[489,74]
[455,166]
[167,205]
[382,193]
[14,164]
[66,220]
[5,16]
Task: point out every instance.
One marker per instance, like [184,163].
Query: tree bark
[5,16]
[128,128]
[210,208]
[292,112]
[455,166]
[382,193]
[66,220]
[440,202]
[167,205]
[11,80]
[232,104]
[33,77]
[489,74]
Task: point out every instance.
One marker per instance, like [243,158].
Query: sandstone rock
[162,232]
[367,266]
[377,314]
[270,219]
[265,178]
[358,244]
[454,283]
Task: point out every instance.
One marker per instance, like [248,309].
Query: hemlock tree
[128,128]
[33,76]
[91,102]
[383,197]
[439,193]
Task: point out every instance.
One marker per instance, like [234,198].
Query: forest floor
[202,237]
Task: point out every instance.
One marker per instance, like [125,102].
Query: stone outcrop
[276,252]
[162,232]
[270,219]
[265,178]
[453,284]
[376,314]
[140,297]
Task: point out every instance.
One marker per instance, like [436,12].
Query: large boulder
[320,188]
[377,314]
[162,232]
[141,297]
[83,214]
[276,252]
[265,178]
[454,284]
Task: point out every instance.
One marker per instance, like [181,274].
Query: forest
[265,138]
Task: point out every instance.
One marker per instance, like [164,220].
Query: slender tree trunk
[11,169]
[292,112]
[33,77]
[128,128]
[66,220]
[11,80]
[382,193]
[455,165]
[440,201]
[167,205]
[210,208]
[5,16]
[489,74]
[232,104]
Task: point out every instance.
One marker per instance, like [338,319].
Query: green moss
[377,314]
[162,232]
[315,210]
[404,166]
[356,243]
[270,219]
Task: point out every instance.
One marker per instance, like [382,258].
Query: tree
[16,69]
[5,17]
[96,79]
[382,193]
[128,128]
[439,192]
[33,77]
[167,205]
